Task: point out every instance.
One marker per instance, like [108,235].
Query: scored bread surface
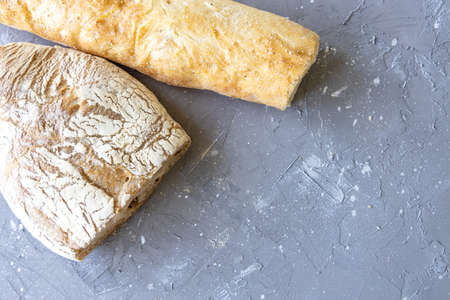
[219,45]
[82,144]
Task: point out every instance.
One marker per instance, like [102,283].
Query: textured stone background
[343,196]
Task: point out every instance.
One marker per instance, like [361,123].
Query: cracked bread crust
[82,144]
[219,45]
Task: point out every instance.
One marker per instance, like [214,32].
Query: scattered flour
[366,170]
[377,81]
[260,203]
[13,225]
[436,24]
[249,270]
[338,93]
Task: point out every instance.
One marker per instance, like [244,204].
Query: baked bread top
[219,45]
[80,139]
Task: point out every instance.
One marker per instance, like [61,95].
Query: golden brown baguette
[82,144]
[219,45]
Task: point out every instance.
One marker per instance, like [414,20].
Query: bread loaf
[219,45]
[82,144]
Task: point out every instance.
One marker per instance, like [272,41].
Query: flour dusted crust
[219,45]
[82,144]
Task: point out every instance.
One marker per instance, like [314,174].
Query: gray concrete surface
[343,196]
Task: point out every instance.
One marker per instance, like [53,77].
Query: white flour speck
[214,153]
[338,93]
[143,240]
[325,89]
[377,81]
[354,122]
[19,270]
[260,203]
[366,170]
[356,188]
[331,156]
[436,24]
[249,270]
[150,286]
[352,198]
[339,108]
[262,296]
[11,263]
[353,213]
[13,225]
[394,42]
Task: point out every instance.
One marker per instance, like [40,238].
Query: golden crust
[82,144]
[218,45]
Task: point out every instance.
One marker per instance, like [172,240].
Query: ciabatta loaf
[82,144]
[219,45]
